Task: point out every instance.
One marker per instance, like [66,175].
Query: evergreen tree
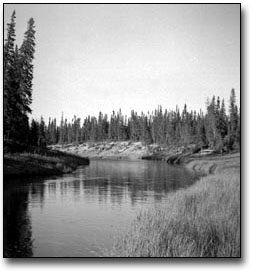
[211,126]
[34,133]
[223,121]
[233,120]
[18,73]
[238,131]
[62,130]
[9,70]
[42,133]
[9,44]
[26,57]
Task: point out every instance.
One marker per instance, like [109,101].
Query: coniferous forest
[214,128]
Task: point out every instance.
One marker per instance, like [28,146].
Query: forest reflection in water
[74,214]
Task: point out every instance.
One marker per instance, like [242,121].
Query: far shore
[30,161]
[190,156]
[105,150]
[127,150]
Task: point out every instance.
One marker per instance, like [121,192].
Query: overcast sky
[92,58]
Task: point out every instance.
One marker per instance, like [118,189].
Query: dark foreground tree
[18,75]
[9,77]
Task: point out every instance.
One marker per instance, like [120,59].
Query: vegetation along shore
[200,221]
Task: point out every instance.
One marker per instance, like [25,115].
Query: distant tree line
[215,128]
[18,75]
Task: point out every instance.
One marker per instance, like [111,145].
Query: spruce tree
[233,119]
[9,45]
[18,74]
[42,133]
[8,72]
[26,57]
[34,133]
[222,123]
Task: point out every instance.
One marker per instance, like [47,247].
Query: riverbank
[123,150]
[200,221]
[22,160]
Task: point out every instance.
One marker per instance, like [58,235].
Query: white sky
[92,58]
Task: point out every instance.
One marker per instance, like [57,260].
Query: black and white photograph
[121,130]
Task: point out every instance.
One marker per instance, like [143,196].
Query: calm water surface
[80,214]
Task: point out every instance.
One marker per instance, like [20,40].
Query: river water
[80,214]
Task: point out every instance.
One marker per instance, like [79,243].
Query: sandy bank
[214,164]
[121,150]
[174,155]
[106,150]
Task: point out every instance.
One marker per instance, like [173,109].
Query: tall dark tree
[62,130]
[26,57]
[42,133]
[222,121]
[212,132]
[233,120]
[34,133]
[18,74]
[9,71]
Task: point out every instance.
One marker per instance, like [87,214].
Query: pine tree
[18,74]
[233,120]
[9,45]
[211,126]
[62,130]
[9,69]
[42,133]
[26,57]
[34,133]
[222,121]
[238,131]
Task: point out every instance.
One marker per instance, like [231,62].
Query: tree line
[216,129]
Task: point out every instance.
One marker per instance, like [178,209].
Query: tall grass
[201,221]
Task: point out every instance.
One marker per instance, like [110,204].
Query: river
[80,214]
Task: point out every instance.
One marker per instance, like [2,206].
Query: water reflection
[71,215]
[17,220]
[138,180]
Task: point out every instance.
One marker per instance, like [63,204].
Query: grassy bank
[201,221]
[25,161]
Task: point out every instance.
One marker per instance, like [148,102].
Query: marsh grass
[201,221]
